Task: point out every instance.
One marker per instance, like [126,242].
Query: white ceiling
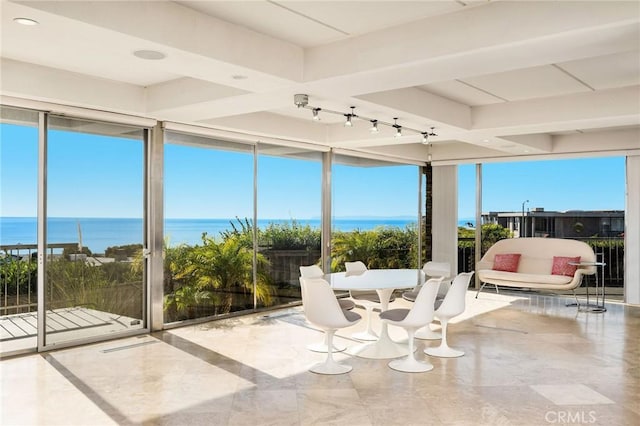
[496,79]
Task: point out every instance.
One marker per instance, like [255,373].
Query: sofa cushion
[507,262]
[489,274]
[561,265]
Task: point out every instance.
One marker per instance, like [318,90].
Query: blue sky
[556,185]
[102,177]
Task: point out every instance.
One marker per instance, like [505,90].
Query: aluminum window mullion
[42,226]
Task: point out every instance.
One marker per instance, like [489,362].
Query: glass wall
[95,199]
[374,213]
[18,229]
[289,211]
[208,227]
[581,199]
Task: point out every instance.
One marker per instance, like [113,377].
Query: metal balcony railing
[19,275]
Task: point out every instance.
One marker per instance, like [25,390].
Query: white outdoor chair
[434,269]
[322,310]
[367,299]
[452,306]
[314,271]
[420,314]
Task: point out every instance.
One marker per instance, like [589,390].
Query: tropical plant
[241,230]
[382,247]
[290,235]
[184,301]
[226,269]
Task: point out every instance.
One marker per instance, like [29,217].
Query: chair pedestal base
[330,368]
[322,347]
[410,365]
[366,336]
[425,333]
[443,352]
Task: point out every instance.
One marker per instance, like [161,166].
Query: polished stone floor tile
[571,394]
[529,360]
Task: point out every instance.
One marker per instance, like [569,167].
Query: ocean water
[100,233]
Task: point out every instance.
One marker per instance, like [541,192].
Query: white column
[445,215]
[632,232]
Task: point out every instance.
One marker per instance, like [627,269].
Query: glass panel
[18,229]
[95,215]
[208,227]
[466,217]
[289,210]
[375,213]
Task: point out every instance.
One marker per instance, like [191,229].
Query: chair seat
[346,304]
[351,316]
[395,315]
[410,295]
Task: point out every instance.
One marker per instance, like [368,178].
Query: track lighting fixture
[302,101]
[425,136]
[349,123]
[397,127]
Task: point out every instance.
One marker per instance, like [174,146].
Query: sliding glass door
[95,217]
[18,229]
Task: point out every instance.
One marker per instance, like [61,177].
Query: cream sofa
[536,261]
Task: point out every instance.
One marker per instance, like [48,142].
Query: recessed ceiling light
[239,77]
[151,55]
[485,140]
[25,21]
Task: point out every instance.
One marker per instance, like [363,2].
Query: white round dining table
[384,282]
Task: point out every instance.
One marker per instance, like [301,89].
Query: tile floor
[530,360]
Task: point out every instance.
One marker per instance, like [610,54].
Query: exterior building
[556,224]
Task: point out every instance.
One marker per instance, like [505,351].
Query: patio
[569,367]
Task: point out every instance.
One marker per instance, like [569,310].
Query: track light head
[425,136]
[374,126]
[397,127]
[315,112]
[349,123]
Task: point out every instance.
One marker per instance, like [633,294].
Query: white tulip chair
[452,306]
[322,310]
[420,314]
